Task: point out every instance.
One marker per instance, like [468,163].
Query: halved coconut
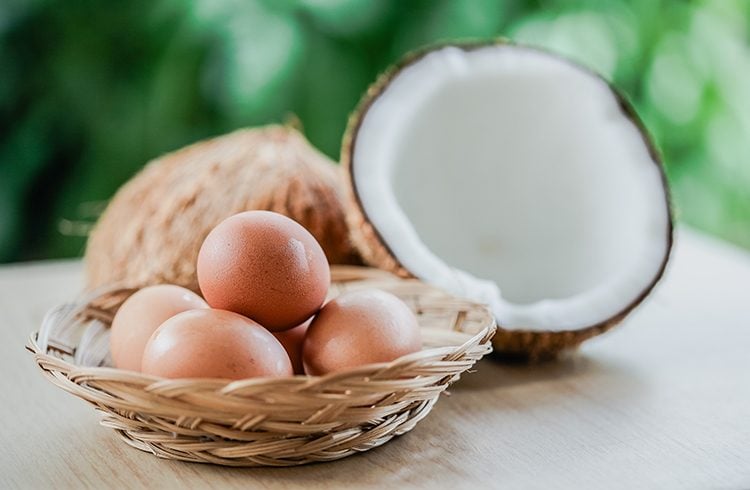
[514,177]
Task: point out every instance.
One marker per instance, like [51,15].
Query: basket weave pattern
[266,422]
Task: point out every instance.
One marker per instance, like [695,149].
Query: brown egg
[140,315]
[214,344]
[292,340]
[265,266]
[359,327]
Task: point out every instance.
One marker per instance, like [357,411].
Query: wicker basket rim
[218,383]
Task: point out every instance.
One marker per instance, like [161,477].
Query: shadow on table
[493,373]
[399,463]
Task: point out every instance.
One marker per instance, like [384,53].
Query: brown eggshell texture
[140,315]
[292,340]
[360,327]
[264,266]
[214,344]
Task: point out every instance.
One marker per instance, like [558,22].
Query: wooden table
[661,402]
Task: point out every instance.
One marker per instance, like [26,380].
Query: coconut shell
[152,229]
[513,344]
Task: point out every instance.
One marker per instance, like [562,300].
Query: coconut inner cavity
[507,168]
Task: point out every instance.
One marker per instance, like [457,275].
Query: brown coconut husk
[153,228]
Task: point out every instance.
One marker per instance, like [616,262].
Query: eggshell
[292,340]
[359,327]
[140,315]
[214,344]
[265,266]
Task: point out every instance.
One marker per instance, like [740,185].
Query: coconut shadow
[496,371]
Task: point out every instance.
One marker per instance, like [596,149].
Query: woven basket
[272,421]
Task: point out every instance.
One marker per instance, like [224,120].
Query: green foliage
[91,90]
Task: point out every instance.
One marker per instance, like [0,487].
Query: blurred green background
[91,90]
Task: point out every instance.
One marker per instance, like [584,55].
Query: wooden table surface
[661,402]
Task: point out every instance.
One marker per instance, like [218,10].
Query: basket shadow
[397,464]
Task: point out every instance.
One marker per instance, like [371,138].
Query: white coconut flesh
[514,177]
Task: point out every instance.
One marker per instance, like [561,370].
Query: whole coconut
[153,228]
